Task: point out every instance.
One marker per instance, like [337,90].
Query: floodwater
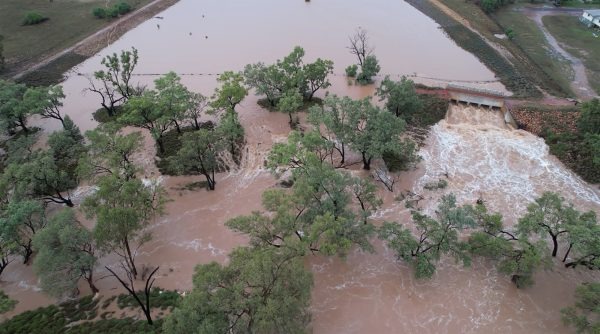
[364,292]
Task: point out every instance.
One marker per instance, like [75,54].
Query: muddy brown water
[364,292]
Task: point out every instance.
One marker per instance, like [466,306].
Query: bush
[99,12]
[120,8]
[435,185]
[351,71]
[32,18]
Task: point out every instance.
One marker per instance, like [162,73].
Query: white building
[591,17]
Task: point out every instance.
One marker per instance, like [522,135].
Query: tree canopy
[66,253]
[260,290]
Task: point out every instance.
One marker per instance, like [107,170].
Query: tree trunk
[196,124]
[161,145]
[555,243]
[28,252]
[69,202]
[129,259]
[93,287]
[366,162]
[567,253]
[177,126]
[343,154]
[210,180]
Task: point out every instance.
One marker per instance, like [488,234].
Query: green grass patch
[579,40]
[159,298]
[513,78]
[114,326]
[528,37]
[70,21]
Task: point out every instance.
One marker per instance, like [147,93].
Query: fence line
[381,76]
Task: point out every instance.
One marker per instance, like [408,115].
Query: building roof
[593,12]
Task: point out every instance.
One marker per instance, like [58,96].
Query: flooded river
[365,292]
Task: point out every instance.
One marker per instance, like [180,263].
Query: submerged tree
[585,314]
[19,223]
[400,97]
[289,76]
[66,253]
[143,111]
[115,85]
[359,45]
[123,208]
[549,215]
[515,254]
[260,290]
[199,154]
[435,237]
[47,102]
[110,152]
[230,92]
[129,285]
[326,211]
[13,109]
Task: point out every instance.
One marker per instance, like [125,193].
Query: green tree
[290,102]
[515,255]
[435,237]
[142,111]
[549,215]
[41,177]
[400,97]
[13,111]
[289,76]
[47,102]
[230,92]
[589,121]
[261,290]
[173,98]
[316,75]
[232,132]
[326,211]
[20,222]
[369,69]
[66,146]
[66,253]
[376,132]
[266,80]
[6,304]
[335,114]
[199,154]
[585,313]
[122,209]
[110,152]
[115,87]
[584,243]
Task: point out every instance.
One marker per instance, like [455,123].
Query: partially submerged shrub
[351,70]
[435,185]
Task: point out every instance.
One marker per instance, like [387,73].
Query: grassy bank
[520,75]
[69,21]
[513,78]
[529,38]
[558,127]
[580,41]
